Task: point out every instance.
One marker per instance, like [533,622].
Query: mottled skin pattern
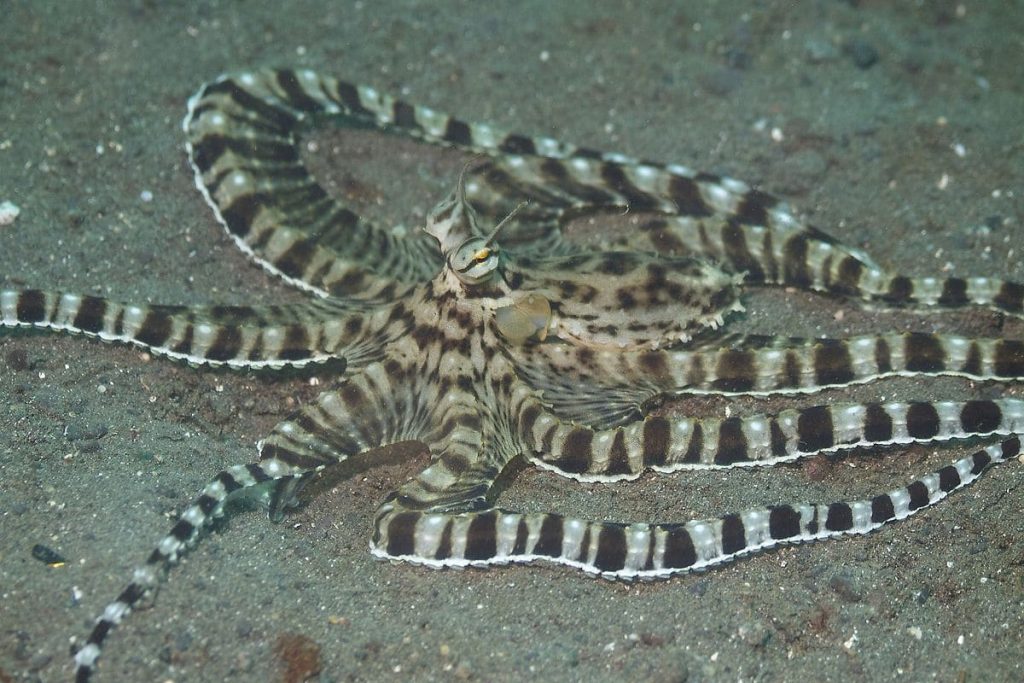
[489,338]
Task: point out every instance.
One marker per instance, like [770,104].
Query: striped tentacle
[567,178]
[469,444]
[242,139]
[770,246]
[458,478]
[932,292]
[233,336]
[243,143]
[726,220]
[764,365]
[366,412]
[340,424]
[469,450]
[651,551]
[668,444]
[198,517]
[719,218]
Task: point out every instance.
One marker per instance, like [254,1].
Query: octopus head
[470,255]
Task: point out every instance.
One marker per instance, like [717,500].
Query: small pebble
[978,546]
[721,81]
[994,222]
[219,409]
[243,662]
[8,212]
[49,556]
[77,431]
[845,589]
[39,661]
[756,634]
[89,446]
[183,641]
[820,50]
[864,54]
[17,360]
[299,657]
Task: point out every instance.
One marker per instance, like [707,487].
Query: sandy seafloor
[917,155]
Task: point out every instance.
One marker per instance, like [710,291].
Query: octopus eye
[474,261]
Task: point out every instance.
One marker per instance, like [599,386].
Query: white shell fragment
[9,212]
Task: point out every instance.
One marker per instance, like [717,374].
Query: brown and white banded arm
[764,241]
[669,444]
[243,141]
[652,551]
[232,336]
[468,456]
[344,422]
[726,221]
[754,365]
